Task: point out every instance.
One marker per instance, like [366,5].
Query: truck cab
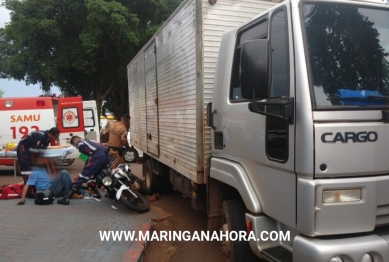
[300,128]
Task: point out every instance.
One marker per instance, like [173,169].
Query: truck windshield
[348,48]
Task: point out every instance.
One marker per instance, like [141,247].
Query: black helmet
[44,197]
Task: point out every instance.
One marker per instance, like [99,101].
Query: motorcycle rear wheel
[138,204]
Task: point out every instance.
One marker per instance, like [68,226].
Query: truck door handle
[210,115]
[213,112]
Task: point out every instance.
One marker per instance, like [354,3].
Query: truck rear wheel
[154,183]
[151,179]
[233,220]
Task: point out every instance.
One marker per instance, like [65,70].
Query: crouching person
[41,180]
[98,159]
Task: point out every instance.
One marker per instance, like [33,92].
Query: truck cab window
[348,49]
[277,129]
[256,31]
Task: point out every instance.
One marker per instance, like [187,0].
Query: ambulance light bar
[40,102]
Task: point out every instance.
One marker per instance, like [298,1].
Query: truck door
[152,121]
[262,144]
[70,118]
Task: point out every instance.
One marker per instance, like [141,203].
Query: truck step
[278,254]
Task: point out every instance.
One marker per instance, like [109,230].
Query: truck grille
[382,217]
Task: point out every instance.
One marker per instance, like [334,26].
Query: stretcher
[58,153]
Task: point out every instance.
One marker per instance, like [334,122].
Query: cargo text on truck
[272,117]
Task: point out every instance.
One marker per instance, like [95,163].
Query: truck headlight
[342,195]
[107,181]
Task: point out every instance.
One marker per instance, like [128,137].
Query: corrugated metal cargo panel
[217,19]
[183,92]
[176,74]
[136,93]
[151,101]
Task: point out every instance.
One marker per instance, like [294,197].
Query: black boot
[66,197]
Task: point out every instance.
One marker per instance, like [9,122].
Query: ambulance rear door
[91,120]
[70,118]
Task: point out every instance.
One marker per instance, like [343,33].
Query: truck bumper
[350,248]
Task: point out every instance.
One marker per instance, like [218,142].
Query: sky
[13,88]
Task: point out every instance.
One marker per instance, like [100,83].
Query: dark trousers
[95,164]
[61,184]
[25,158]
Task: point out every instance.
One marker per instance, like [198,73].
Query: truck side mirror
[254,69]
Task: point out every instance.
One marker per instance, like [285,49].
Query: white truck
[287,132]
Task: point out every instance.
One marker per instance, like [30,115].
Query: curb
[137,249]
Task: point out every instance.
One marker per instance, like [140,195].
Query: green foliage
[81,46]
[345,49]
[1,93]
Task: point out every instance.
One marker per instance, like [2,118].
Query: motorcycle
[122,185]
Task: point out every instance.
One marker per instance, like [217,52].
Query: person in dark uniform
[28,148]
[98,159]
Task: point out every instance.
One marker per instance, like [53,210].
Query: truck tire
[152,181]
[233,220]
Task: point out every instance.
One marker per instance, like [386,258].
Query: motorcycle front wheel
[138,204]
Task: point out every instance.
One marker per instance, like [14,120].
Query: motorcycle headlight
[107,181]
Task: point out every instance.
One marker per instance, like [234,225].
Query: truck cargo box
[171,81]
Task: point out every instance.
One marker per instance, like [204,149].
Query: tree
[345,49]
[1,93]
[81,46]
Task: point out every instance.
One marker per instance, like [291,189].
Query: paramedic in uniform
[117,138]
[98,159]
[30,145]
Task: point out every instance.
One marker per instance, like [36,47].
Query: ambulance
[22,115]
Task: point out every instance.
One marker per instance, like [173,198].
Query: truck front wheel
[233,220]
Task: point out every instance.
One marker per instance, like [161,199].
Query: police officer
[98,159]
[117,133]
[28,148]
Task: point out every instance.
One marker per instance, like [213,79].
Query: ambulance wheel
[233,220]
